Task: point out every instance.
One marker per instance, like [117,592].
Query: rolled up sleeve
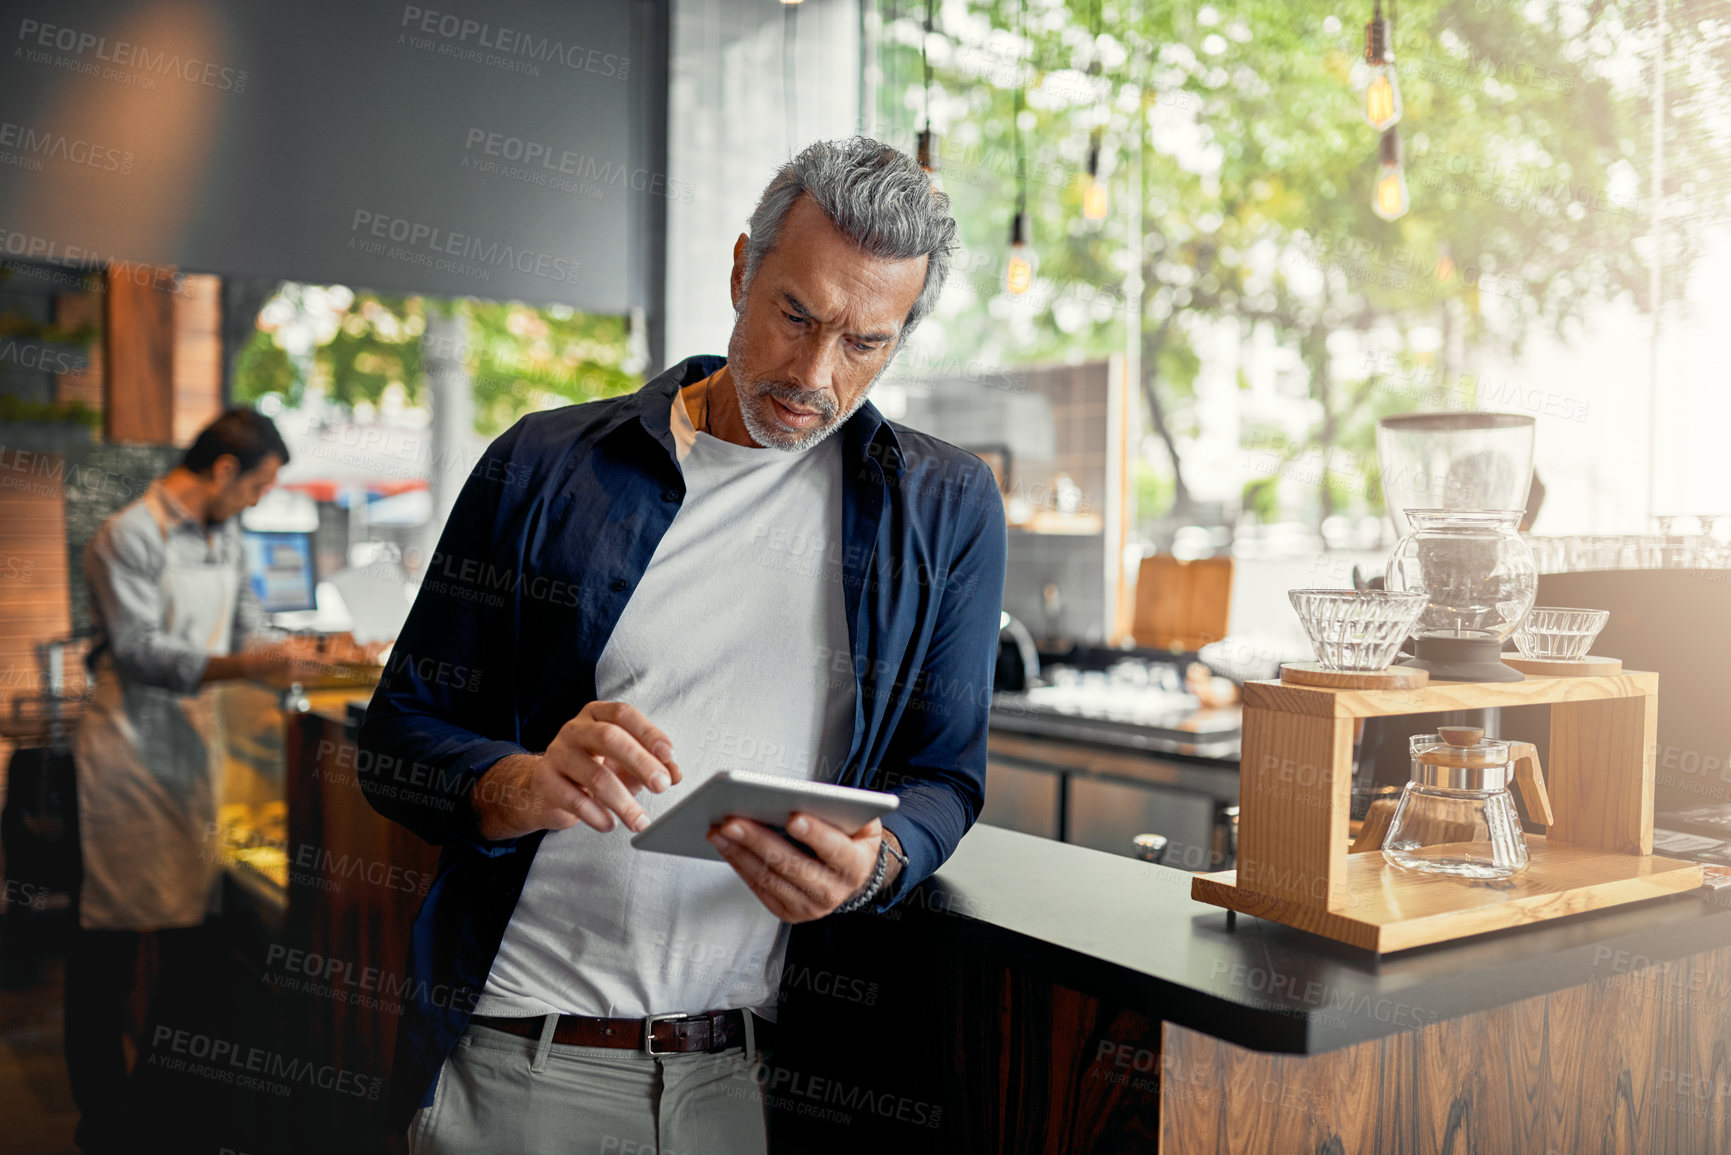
[936,763]
[123,566]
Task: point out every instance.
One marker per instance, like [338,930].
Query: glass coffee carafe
[1457,815]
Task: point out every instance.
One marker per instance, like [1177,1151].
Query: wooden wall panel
[1631,1065]
[33,579]
[72,310]
[162,350]
[138,350]
[197,356]
[364,920]
[1073,1074]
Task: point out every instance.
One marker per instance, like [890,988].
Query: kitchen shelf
[1384,908]
[1294,782]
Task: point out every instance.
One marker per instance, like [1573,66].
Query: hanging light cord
[1021,164]
[787,83]
[1098,68]
[926,64]
[1388,44]
[1021,84]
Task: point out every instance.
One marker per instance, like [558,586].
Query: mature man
[742,565]
[172,610]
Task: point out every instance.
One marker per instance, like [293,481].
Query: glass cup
[1559,633]
[1358,631]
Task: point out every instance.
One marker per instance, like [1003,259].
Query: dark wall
[1676,623]
[30,357]
[507,149]
[1073,563]
[99,480]
[1051,420]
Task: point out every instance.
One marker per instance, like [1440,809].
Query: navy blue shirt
[546,543]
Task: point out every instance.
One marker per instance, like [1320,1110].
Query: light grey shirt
[123,566]
[727,645]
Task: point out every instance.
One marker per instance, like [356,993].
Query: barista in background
[172,610]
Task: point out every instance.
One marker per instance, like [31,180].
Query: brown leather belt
[708,1032]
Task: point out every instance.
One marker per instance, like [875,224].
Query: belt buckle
[649,1022]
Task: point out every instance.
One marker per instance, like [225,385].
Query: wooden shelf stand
[1294,795]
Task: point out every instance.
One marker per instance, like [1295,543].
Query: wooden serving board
[1384,908]
[1390,678]
[1587,667]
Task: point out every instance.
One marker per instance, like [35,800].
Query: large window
[1204,193]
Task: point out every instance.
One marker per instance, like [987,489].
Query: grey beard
[746,396]
[775,437]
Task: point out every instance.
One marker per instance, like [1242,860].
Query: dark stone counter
[1129,933]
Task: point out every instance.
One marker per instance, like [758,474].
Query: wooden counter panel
[1074,1074]
[1633,1064]
[352,902]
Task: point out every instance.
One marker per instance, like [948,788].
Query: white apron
[147,796]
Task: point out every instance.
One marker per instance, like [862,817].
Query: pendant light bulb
[1382,105]
[928,140]
[1022,263]
[1094,196]
[928,151]
[1094,201]
[1390,200]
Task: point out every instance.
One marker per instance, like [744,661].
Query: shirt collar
[172,508]
[652,407]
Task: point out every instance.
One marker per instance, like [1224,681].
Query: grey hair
[877,196]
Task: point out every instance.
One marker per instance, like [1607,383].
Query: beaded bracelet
[900,857]
[861,897]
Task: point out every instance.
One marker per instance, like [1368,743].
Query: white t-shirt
[728,644]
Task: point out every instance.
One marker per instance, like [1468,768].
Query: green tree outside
[1525,140]
[364,345]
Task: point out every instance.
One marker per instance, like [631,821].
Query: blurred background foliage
[364,350]
[1526,135]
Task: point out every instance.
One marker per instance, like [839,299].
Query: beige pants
[498,1092]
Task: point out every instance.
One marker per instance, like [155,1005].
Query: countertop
[327,700]
[1171,725]
[1128,931]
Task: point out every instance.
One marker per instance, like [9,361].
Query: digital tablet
[766,798]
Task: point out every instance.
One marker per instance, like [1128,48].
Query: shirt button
[670,495]
[620,585]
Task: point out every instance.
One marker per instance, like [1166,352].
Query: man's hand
[795,886]
[592,772]
[271,663]
[342,648]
